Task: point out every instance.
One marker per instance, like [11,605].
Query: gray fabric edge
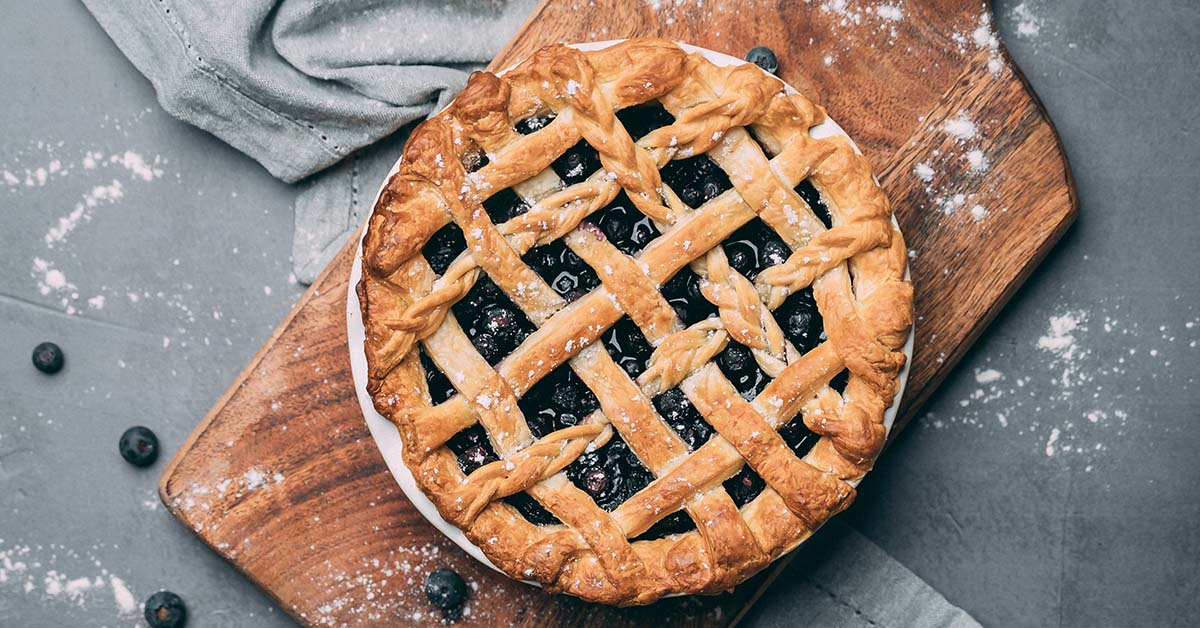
[181,84]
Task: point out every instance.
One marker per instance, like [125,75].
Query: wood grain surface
[283,480]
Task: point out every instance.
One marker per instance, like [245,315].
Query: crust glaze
[856,269]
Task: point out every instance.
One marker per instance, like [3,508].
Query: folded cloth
[321,91]
[301,85]
[840,579]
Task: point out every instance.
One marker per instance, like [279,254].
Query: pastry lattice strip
[702,381]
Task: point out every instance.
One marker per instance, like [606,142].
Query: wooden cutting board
[283,480]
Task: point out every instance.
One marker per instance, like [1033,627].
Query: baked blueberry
[138,446]
[675,408]
[534,123]
[560,267]
[809,193]
[447,591]
[696,180]
[744,486]
[472,448]
[738,364]
[577,164]
[558,401]
[494,334]
[798,437]
[165,610]
[764,58]
[529,508]
[683,293]
[627,346]
[840,380]
[610,474]
[48,358]
[504,205]
[444,247]
[473,160]
[642,119]
[677,522]
[439,386]
[624,226]
[800,320]
[753,247]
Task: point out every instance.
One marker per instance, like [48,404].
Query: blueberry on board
[764,58]
[139,446]
[165,610]
[48,358]
[447,591]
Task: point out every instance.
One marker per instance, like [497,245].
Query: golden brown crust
[856,270]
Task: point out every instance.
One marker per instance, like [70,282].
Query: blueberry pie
[637,327]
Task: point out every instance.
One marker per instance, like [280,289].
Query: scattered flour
[1072,400]
[52,572]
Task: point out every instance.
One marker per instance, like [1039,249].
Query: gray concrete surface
[1050,482]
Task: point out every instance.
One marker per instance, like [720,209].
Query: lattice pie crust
[758,133]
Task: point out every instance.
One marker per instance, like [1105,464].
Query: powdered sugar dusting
[1077,396]
[66,578]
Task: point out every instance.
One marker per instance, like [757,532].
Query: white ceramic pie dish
[387,437]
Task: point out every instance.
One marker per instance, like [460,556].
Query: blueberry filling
[473,160]
[744,486]
[529,508]
[577,164]
[798,437]
[801,320]
[472,448]
[677,522]
[566,273]
[753,247]
[624,225]
[747,484]
[444,247]
[839,381]
[683,293]
[504,206]
[439,386]
[739,365]
[696,180]
[611,474]
[809,193]
[673,406]
[640,120]
[533,123]
[558,401]
[493,322]
[627,346]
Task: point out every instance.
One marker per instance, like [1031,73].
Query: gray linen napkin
[319,91]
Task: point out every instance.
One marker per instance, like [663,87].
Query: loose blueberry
[764,58]
[138,446]
[165,610]
[48,358]
[447,591]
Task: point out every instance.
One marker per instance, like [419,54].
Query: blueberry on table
[48,358]
[139,446]
[446,589]
[764,58]
[165,610]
